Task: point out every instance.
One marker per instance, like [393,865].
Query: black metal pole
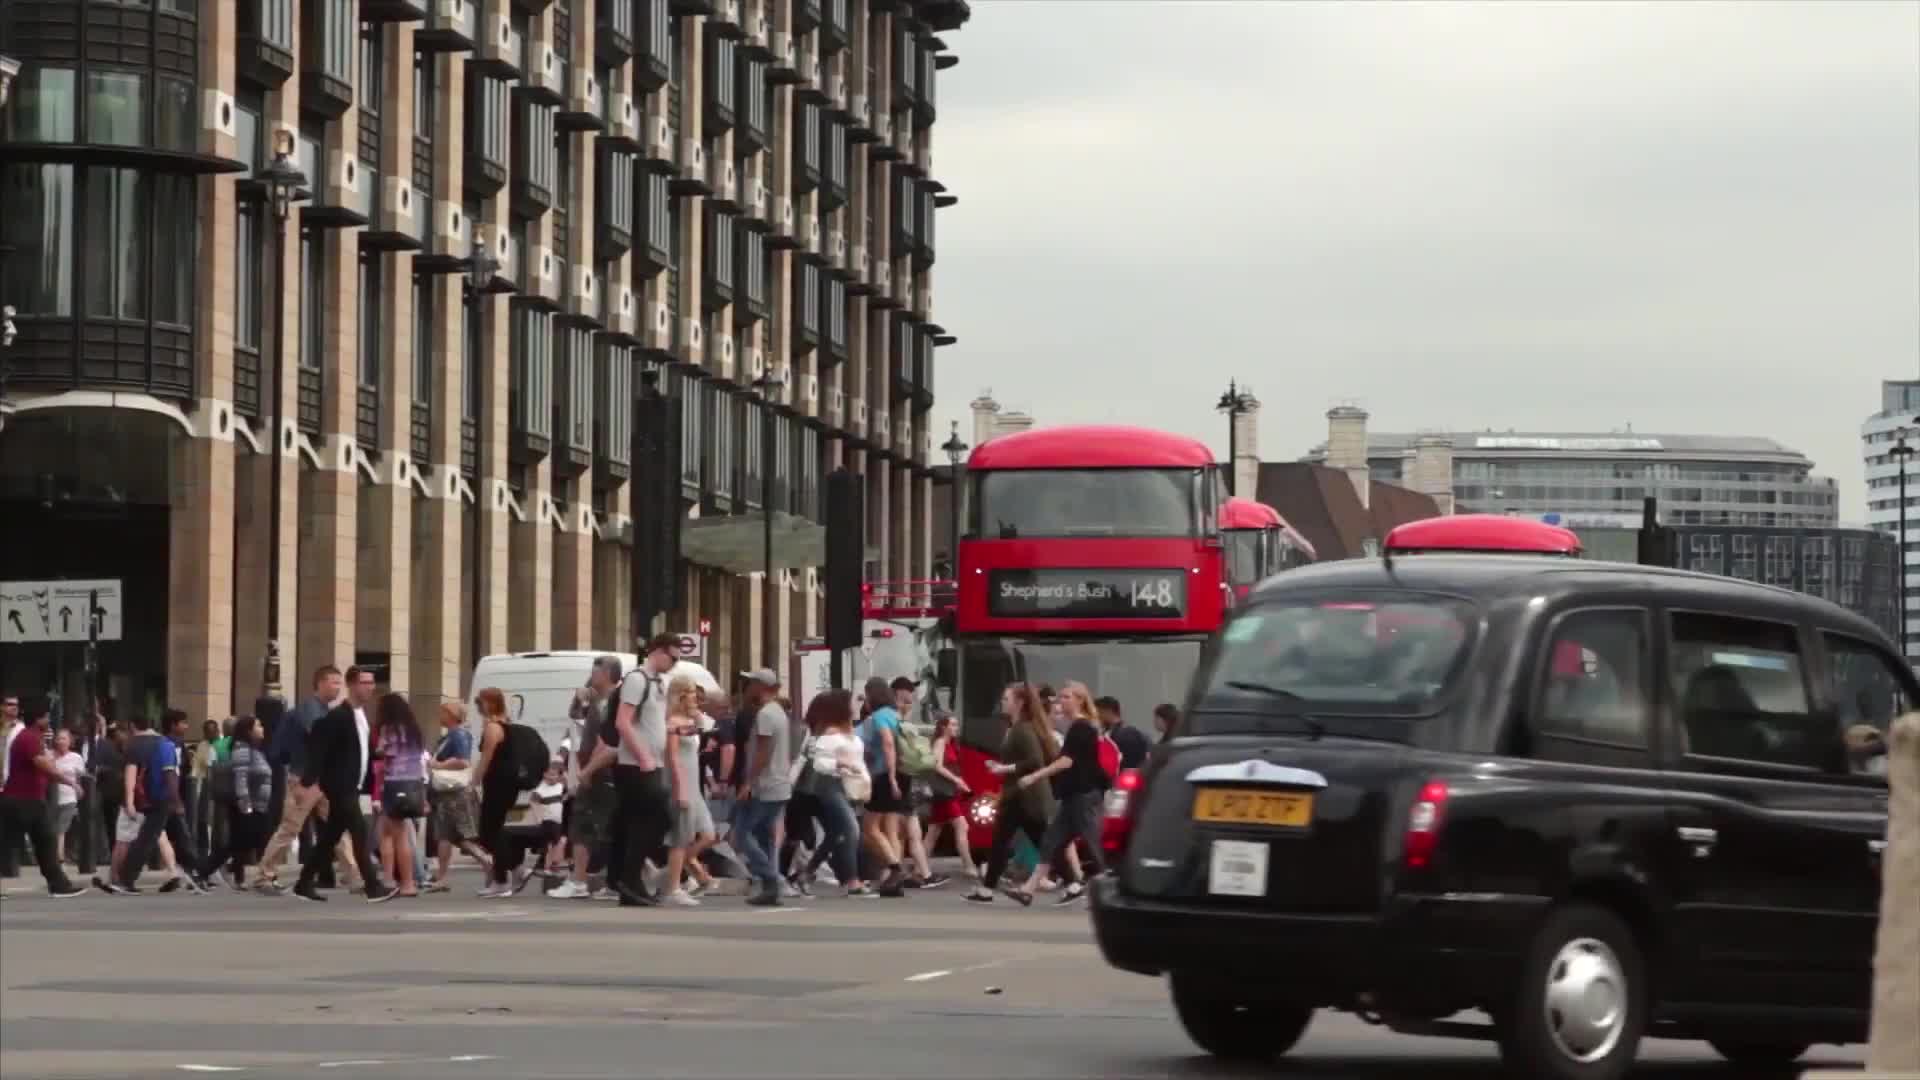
[953,527]
[270,673]
[1233,445]
[769,633]
[470,311]
[1906,652]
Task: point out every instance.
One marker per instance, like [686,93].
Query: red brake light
[1423,825]
[1116,823]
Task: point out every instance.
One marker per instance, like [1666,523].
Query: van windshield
[1377,654]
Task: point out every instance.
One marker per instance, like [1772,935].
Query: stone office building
[522,214]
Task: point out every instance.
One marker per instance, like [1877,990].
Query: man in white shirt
[340,764]
[646,807]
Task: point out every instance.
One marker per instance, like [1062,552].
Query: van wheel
[1758,1055]
[1581,1006]
[1235,1030]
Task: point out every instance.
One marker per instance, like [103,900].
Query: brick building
[731,202]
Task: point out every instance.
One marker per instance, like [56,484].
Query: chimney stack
[1432,472]
[985,413]
[1246,438]
[1347,448]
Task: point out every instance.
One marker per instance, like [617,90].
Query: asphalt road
[457,987]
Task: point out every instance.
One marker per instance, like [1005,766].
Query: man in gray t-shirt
[766,789]
[645,808]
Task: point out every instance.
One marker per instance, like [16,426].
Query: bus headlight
[983,810]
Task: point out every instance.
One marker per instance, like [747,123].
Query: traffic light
[846,558]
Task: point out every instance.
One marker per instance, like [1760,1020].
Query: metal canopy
[736,542]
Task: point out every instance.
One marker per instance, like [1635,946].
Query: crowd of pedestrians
[657,781]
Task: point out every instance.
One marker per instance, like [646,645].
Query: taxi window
[1741,691]
[1594,688]
[1391,652]
[1869,694]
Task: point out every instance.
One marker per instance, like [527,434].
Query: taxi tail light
[1424,819]
[1116,823]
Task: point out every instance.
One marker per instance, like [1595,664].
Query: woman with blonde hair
[451,795]
[1028,747]
[1080,782]
[693,827]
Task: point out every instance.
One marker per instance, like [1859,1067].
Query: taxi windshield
[1392,653]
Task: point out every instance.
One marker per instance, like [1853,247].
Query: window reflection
[42,106]
[175,241]
[117,238]
[174,126]
[36,216]
[116,108]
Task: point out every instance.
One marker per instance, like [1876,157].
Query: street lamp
[285,185]
[768,384]
[1236,403]
[1900,453]
[955,448]
[481,268]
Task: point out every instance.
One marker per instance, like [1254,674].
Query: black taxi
[1587,803]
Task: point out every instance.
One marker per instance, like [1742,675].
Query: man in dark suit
[340,763]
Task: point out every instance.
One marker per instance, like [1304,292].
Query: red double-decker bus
[1259,543]
[1483,534]
[1092,553]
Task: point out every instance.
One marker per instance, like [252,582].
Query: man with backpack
[1130,742]
[638,733]
[154,789]
[595,799]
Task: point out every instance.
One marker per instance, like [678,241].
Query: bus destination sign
[1103,593]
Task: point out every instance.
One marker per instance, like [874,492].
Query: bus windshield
[1246,555]
[1024,503]
[1140,673]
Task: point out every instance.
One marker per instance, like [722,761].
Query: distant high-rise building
[1879,435]
[990,421]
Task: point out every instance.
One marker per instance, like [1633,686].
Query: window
[369,315]
[117,243]
[116,107]
[472,390]
[175,247]
[423,100]
[313,343]
[1870,693]
[1741,692]
[248,280]
[1091,502]
[726,423]
[1594,686]
[337,39]
[532,371]
[577,343]
[487,118]
[613,416]
[36,217]
[272,20]
[615,180]
[423,340]
[175,126]
[42,106]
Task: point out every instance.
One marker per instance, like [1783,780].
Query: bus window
[1027,503]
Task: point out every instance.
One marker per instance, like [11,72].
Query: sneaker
[382,893]
[493,892]
[520,879]
[979,894]
[437,886]
[913,881]
[1070,894]
[69,892]
[789,891]
[604,893]
[192,884]
[568,890]
[699,889]
[935,881]
[824,876]
[798,886]
[1048,885]
[269,887]
[679,898]
[861,892]
[765,898]
[171,885]
[309,894]
[106,886]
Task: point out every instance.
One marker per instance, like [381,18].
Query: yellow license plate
[1240,806]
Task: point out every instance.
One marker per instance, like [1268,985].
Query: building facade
[523,216]
[1880,434]
[1698,479]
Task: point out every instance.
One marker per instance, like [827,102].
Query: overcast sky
[1686,217]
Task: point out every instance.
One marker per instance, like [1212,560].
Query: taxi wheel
[1581,1005]
[1759,1056]
[1236,1030]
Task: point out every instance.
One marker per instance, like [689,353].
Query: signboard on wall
[33,612]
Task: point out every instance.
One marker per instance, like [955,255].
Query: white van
[539,687]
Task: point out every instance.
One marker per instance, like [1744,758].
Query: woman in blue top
[888,801]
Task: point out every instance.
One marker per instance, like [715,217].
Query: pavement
[456,987]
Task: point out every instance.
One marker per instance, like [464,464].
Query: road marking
[777,910]
[211,1068]
[473,1057]
[350,1064]
[928,976]
[466,916]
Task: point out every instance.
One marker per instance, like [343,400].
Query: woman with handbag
[951,794]
[834,771]
[454,811]
[403,787]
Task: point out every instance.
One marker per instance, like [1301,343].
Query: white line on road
[929,976]
[473,1057]
[211,1068]
[350,1064]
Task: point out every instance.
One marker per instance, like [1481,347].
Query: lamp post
[768,385]
[1236,403]
[285,185]
[1900,453]
[955,448]
[481,266]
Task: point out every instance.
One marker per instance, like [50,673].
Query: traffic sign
[706,627]
[41,611]
[692,647]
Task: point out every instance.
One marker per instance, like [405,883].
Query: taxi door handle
[1876,848]
[1701,840]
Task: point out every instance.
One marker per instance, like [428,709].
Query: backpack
[913,752]
[1109,756]
[527,757]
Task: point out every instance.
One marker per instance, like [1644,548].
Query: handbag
[442,780]
[403,799]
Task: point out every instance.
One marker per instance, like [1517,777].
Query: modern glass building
[519,217]
[1881,432]
[1699,479]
